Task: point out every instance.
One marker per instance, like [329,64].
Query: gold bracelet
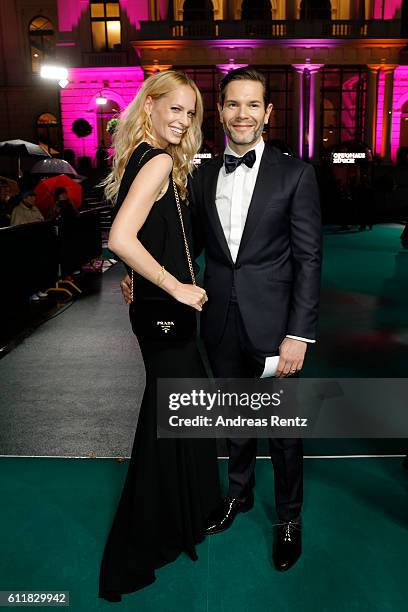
[161,277]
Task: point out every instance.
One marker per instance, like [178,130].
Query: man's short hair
[243,74]
[26,193]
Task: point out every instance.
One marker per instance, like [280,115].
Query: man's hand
[125,285]
[291,357]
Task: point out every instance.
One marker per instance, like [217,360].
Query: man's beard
[249,139]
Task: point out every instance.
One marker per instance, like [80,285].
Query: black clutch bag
[162,320]
[155,319]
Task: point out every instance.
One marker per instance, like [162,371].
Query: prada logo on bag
[165,325]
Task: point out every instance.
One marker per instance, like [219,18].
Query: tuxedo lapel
[264,185]
[210,187]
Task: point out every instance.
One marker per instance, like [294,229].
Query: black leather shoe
[287,544]
[224,514]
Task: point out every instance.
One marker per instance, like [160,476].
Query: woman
[172,484]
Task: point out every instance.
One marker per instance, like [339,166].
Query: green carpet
[58,513]
[363,324]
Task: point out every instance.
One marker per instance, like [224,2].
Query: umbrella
[14,190]
[54,166]
[45,189]
[21,148]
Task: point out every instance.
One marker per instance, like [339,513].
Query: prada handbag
[164,319]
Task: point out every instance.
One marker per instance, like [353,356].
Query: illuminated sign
[200,156]
[347,158]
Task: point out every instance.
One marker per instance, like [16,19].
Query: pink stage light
[387,9]
[69,13]
[400,97]
[135,10]
[164,9]
[231,66]
[380,108]
[78,100]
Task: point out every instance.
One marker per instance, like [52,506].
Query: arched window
[197,10]
[105,24]
[105,112]
[42,41]
[315,9]
[48,131]
[256,10]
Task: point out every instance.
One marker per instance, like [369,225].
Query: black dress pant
[233,357]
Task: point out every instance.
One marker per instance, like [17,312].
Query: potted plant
[112,125]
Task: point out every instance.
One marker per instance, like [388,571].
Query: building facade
[336,70]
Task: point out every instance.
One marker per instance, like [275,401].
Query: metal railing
[105,59]
[162,30]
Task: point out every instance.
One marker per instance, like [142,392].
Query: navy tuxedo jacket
[277,271]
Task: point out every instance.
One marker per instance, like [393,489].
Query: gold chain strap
[190,265]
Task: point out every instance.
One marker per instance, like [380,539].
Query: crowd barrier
[31,255]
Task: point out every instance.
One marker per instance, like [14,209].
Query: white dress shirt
[233,197]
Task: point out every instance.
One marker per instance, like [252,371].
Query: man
[67,217]
[259,215]
[26,211]
[5,194]
[62,207]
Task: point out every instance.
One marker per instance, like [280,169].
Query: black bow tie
[231,162]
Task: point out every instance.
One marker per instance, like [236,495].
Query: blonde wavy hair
[135,126]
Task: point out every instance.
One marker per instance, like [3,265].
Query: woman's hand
[191,295]
[125,285]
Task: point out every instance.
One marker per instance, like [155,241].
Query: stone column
[387,112]
[152,10]
[314,111]
[163,10]
[371,107]
[357,10]
[224,69]
[290,10]
[297,111]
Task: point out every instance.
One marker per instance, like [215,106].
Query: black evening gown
[171,484]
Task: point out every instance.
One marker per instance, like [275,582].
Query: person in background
[64,212]
[5,194]
[26,211]
[62,207]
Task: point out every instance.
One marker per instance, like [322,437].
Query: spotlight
[56,73]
